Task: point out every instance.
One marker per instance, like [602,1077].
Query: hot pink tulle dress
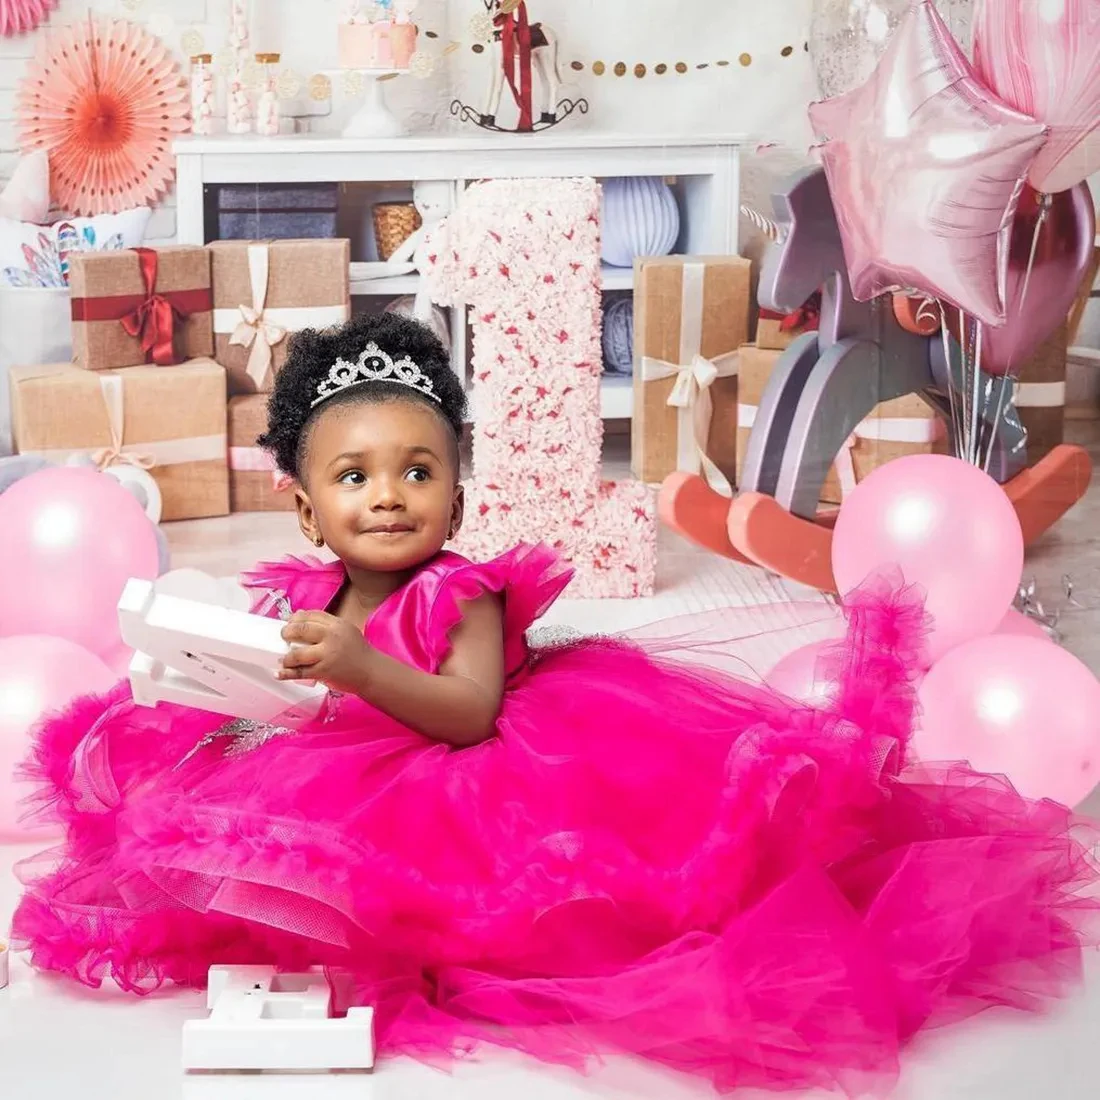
[650,856]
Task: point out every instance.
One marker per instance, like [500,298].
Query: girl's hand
[325,648]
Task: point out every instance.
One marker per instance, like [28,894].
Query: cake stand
[374,119]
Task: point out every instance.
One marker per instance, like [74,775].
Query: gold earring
[318,540]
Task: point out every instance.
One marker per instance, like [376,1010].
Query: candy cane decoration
[525,256]
[238,106]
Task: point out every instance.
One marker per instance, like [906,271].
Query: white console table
[706,169]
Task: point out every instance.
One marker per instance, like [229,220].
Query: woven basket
[394,223]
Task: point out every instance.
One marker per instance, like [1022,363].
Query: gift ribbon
[110,385]
[254,330]
[1039,395]
[145,456]
[886,429]
[694,374]
[255,460]
[515,39]
[804,319]
[150,317]
[261,327]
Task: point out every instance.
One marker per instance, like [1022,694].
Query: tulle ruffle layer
[651,857]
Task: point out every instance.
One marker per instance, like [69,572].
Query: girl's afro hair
[312,353]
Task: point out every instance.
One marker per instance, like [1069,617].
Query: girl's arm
[458,706]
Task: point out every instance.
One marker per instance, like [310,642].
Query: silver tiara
[374,365]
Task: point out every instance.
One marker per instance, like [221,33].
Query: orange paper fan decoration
[103,99]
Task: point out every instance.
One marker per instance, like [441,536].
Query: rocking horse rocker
[825,384]
[518,50]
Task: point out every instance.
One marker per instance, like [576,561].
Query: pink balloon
[1021,626]
[1043,58]
[1015,706]
[924,166]
[802,675]
[949,528]
[37,675]
[1063,253]
[72,538]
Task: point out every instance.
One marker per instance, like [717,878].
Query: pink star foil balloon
[925,167]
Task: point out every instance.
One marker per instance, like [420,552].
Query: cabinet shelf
[706,168]
[392,286]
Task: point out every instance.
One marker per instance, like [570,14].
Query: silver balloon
[847,37]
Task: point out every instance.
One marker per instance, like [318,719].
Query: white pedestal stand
[374,118]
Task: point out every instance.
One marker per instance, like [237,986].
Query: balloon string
[956,433]
[964,389]
[1045,201]
[974,360]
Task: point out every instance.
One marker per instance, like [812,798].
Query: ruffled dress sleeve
[528,578]
[293,584]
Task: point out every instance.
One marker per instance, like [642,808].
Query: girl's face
[380,484]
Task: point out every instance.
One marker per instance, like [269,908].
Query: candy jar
[267,105]
[202,94]
[238,107]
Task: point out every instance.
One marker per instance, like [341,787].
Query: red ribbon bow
[515,36]
[154,320]
[806,318]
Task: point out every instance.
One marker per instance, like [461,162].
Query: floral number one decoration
[524,255]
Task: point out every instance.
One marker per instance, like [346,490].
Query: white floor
[59,1041]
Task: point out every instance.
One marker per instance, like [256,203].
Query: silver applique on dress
[241,735]
[546,637]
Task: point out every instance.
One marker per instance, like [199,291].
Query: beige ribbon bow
[691,398]
[115,454]
[254,330]
[695,375]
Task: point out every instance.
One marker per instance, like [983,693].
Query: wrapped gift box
[266,290]
[252,211]
[172,421]
[1040,395]
[776,331]
[903,426]
[141,305]
[691,313]
[255,485]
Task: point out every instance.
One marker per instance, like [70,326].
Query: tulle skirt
[653,856]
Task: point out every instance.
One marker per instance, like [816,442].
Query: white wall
[766,99]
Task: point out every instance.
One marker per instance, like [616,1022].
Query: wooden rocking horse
[825,384]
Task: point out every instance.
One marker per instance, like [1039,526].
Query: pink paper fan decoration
[103,99]
[20,16]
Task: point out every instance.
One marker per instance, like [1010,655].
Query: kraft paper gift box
[902,426]
[691,314]
[776,331]
[264,291]
[1040,395]
[141,305]
[255,485]
[171,422]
